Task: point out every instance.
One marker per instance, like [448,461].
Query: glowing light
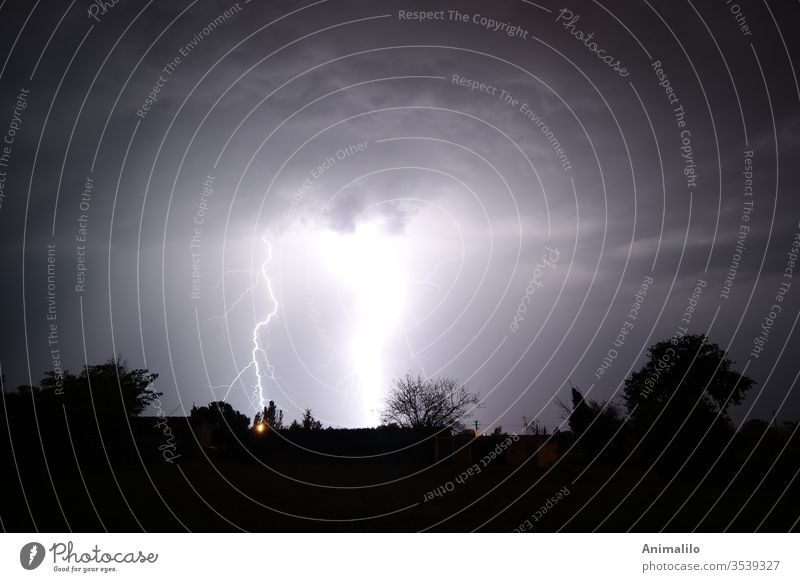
[260,427]
[374,272]
[371,263]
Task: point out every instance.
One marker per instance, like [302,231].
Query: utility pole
[476,428]
[525,425]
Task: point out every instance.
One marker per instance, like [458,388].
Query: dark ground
[229,496]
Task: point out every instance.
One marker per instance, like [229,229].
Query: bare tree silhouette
[431,404]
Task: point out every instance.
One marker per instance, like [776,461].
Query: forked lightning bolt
[259,357]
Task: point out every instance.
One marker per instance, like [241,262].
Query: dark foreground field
[65,471]
[231,496]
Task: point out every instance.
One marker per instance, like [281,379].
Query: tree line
[673,413]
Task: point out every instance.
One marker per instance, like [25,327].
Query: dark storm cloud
[617,223]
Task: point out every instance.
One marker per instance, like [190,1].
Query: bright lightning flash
[372,265]
[373,270]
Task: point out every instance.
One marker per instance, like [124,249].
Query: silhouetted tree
[685,370]
[580,415]
[430,404]
[87,415]
[271,415]
[596,423]
[224,424]
[309,422]
[680,399]
[103,389]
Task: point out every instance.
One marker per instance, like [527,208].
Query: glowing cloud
[373,266]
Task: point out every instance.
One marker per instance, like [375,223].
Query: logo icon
[31,555]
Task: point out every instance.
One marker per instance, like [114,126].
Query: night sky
[300,201]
